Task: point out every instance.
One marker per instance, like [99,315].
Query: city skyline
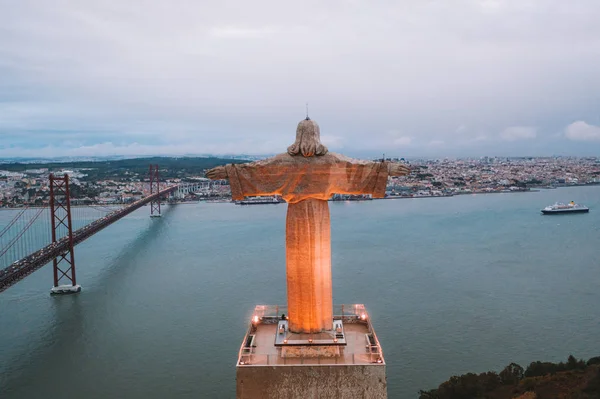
[474,78]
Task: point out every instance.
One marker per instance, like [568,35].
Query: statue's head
[308,140]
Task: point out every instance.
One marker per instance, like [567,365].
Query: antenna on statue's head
[307,118]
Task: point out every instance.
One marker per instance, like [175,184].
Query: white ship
[571,207]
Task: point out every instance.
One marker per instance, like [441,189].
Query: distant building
[36,171]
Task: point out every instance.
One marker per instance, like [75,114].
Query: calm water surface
[459,284]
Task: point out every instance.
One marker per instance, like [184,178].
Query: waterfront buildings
[429,177]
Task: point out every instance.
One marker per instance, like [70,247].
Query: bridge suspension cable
[13,221]
[22,232]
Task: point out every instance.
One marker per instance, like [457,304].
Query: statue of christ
[306,176]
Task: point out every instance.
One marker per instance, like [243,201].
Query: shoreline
[533,190]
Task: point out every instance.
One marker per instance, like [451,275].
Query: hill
[541,380]
[115,169]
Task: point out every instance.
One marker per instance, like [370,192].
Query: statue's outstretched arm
[218,173]
[264,177]
[398,169]
[353,176]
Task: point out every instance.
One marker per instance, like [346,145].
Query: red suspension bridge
[38,236]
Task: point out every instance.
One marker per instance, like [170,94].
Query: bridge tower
[154,188]
[60,217]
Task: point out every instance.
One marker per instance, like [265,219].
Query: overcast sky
[404,77]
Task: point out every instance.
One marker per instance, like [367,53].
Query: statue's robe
[306,183]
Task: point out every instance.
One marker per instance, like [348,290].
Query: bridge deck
[24,267]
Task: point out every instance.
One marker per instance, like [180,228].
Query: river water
[467,283]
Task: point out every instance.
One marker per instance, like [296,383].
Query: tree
[571,362]
[593,360]
[512,374]
[574,364]
[423,176]
[537,369]
[468,385]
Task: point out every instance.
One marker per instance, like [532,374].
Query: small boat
[560,208]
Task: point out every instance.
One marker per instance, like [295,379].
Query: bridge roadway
[24,267]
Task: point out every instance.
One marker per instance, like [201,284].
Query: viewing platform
[268,342]
[346,362]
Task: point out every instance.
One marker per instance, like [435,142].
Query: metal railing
[271,314]
[349,311]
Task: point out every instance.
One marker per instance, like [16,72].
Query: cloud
[69,149]
[394,136]
[221,74]
[329,140]
[461,129]
[233,32]
[436,143]
[402,141]
[581,131]
[515,133]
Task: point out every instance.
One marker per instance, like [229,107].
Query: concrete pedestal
[312,382]
[65,289]
[344,363]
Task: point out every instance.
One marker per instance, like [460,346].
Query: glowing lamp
[285,341]
[255,319]
[310,340]
[363,316]
[335,340]
[379,360]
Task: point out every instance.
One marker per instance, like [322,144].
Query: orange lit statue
[306,176]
